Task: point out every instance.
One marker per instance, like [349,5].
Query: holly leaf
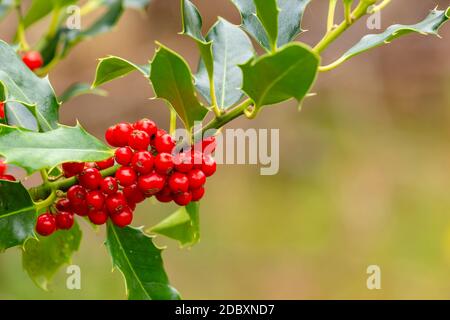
[112,67]
[183,225]
[290,15]
[24,86]
[79,89]
[35,150]
[135,255]
[17,214]
[429,26]
[42,257]
[41,8]
[19,115]
[267,12]
[172,81]
[276,77]
[231,47]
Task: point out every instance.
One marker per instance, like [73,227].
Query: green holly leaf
[41,8]
[192,27]
[267,12]
[231,47]
[5,7]
[290,15]
[35,150]
[429,26]
[172,81]
[183,225]
[140,261]
[112,67]
[79,89]
[17,114]
[17,214]
[276,77]
[43,257]
[24,86]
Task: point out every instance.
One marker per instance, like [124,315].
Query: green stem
[228,116]
[330,37]
[20,35]
[90,6]
[47,202]
[173,121]
[379,7]
[331,11]
[54,23]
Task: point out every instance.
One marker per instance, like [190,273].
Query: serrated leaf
[17,214]
[192,27]
[276,77]
[183,225]
[112,67]
[172,81]
[430,25]
[35,150]
[19,115]
[5,7]
[289,20]
[140,262]
[79,89]
[43,257]
[267,12]
[24,86]
[231,47]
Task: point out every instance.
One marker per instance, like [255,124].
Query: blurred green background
[364,172]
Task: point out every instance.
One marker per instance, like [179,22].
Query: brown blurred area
[364,174]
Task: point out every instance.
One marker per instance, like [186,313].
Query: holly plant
[85,178]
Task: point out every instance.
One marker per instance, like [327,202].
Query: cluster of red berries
[148,167]
[3,174]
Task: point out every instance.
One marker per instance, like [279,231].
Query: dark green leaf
[42,258]
[267,13]
[172,81]
[34,151]
[183,225]
[231,47]
[21,116]
[79,89]
[140,261]
[24,86]
[288,73]
[289,20]
[430,25]
[112,67]
[17,214]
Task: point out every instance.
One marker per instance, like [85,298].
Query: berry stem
[47,202]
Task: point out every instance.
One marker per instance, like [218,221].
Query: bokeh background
[364,174]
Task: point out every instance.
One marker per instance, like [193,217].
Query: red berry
[133,194]
[90,178]
[110,137]
[72,168]
[178,182]
[122,218]
[105,164]
[159,133]
[2,109]
[77,195]
[164,143]
[46,224]
[142,162]
[183,162]
[165,195]
[196,178]
[183,198]
[8,177]
[139,140]
[64,220]
[90,165]
[197,159]
[151,184]
[124,155]
[197,194]
[208,165]
[80,209]
[109,185]
[63,204]
[147,126]
[98,217]
[126,176]
[121,133]
[164,163]
[95,200]
[33,60]
[115,202]
[3,167]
